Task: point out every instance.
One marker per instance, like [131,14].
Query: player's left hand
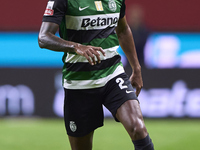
[136,81]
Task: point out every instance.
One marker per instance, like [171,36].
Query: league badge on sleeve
[49,9]
[99,6]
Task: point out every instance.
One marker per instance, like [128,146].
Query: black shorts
[83,109]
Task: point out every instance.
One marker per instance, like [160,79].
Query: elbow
[41,45]
[41,41]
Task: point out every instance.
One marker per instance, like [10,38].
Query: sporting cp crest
[112,5]
[72,126]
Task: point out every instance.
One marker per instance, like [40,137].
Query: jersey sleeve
[55,11]
[122,11]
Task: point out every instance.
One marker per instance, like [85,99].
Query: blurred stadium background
[31,95]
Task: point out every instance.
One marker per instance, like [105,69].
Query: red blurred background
[160,15]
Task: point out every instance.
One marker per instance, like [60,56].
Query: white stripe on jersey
[89,84]
[92,22]
[110,52]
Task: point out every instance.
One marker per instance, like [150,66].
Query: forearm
[127,44]
[52,42]
[47,39]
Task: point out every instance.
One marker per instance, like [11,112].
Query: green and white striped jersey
[93,23]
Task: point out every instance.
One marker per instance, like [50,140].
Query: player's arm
[47,39]
[127,44]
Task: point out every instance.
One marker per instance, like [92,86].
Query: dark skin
[47,39]
[129,114]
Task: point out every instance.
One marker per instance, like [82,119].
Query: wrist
[76,47]
[137,69]
[72,47]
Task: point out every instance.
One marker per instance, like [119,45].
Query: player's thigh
[130,115]
[129,110]
[83,111]
[118,91]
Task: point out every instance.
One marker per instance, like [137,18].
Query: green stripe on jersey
[92,75]
[90,15]
[89,84]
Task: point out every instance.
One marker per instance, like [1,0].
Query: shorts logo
[49,9]
[112,5]
[129,91]
[72,126]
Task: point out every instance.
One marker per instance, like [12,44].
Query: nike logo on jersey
[81,9]
[129,91]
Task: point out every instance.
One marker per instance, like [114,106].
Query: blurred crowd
[139,29]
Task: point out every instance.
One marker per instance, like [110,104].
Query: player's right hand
[91,53]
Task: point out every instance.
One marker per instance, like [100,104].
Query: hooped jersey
[88,22]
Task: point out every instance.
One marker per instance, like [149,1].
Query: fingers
[138,91]
[137,86]
[88,58]
[101,50]
[136,81]
[92,54]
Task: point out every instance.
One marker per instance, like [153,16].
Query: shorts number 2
[121,82]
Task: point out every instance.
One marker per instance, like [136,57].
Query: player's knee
[138,130]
